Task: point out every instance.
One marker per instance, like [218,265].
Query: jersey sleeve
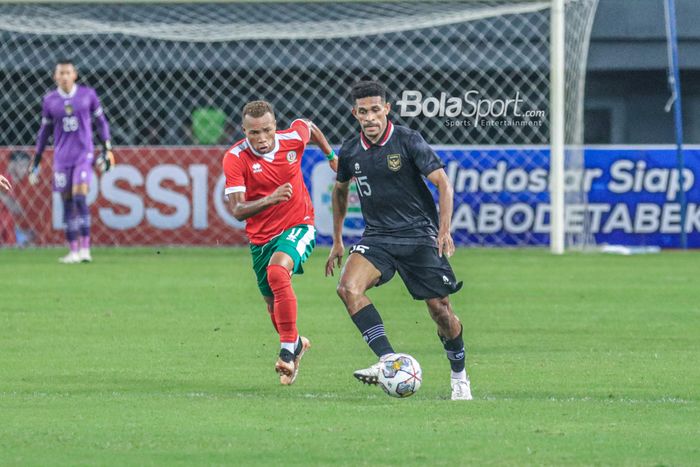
[303,129]
[99,115]
[344,174]
[44,129]
[423,155]
[233,171]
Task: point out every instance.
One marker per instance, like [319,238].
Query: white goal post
[556,130]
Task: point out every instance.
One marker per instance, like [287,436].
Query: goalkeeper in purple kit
[69,111]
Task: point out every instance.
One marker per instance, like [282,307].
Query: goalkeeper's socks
[371,326]
[454,348]
[71,221]
[83,215]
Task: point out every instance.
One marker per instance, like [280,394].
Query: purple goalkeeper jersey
[70,115]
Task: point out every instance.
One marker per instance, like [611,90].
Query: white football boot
[71,258]
[85,256]
[370,375]
[461,390]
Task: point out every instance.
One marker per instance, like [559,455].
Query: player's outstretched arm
[242,209]
[319,139]
[445,243]
[340,209]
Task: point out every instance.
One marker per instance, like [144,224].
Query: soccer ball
[400,375]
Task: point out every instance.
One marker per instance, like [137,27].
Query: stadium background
[207,83]
[162,355]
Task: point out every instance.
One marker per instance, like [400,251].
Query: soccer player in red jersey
[7,224]
[265,187]
[13,217]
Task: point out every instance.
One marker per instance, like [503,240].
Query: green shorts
[298,242]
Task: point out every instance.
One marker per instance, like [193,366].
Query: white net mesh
[174,76]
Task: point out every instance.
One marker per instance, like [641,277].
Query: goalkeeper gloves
[34,176]
[105,161]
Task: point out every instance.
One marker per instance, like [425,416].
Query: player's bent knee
[282,259]
[439,308]
[278,277]
[342,291]
[348,291]
[440,302]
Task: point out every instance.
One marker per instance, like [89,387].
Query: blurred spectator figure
[13,222]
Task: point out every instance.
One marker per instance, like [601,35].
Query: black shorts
[425,274]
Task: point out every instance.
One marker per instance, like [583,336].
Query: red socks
[270,311]
[285,316]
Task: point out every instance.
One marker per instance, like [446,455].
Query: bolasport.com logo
[471,109]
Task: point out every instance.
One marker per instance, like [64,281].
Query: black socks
[371,326]
[454,348]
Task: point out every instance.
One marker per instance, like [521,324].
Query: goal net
[472,76]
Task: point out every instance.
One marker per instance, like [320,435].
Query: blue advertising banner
[501,196]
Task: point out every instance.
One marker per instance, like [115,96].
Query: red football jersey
[258,175]
[7,218]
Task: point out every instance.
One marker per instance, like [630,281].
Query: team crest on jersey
[291,157]
[68,107]
[394,162]
[257,168]
[357,167]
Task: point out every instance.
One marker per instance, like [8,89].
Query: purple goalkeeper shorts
[65,178]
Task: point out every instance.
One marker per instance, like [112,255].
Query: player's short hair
[368,88]
[257,109]
[65,61]
[18,156]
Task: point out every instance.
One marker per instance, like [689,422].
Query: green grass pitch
[150,357]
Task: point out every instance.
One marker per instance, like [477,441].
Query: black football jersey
[395,200]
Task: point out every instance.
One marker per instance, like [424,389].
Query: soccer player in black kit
[403,231]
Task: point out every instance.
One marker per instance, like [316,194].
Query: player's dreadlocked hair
[257,109]
[367,88]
